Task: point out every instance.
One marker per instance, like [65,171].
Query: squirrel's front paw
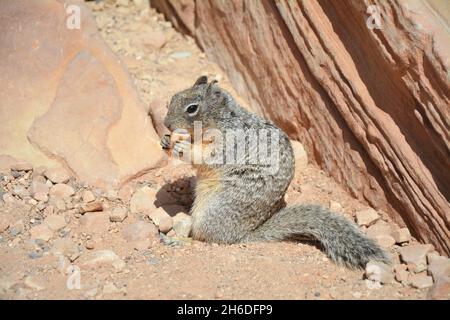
[165,141]
[181,148]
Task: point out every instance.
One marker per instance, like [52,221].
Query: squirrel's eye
[192,109]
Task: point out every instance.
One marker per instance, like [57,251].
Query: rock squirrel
[243,201]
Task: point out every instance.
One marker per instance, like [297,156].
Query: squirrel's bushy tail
[342,240]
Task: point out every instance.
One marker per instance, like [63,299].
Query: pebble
[401,235]
[97,258]
[402,276]
[161,219]
[182,224]
[55,222]
[118,214]
[335,206]
[94,206]
[57,204]
[61,191]
[95,222]
[65,247]
[366,217]
[41,232]
[441,289]
[21,166]
[4,222]
[415,256]
[143,200]
[48,211]
[40,196]
[16,228]
[57,175]
[381,233]
[421,280]
[39,187]
[439,267]
[139,231]
[180,55]
[87,196]
[35,254]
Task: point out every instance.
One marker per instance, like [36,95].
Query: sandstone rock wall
[370,105]
[66,99]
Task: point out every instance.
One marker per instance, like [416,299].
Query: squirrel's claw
[165,141]
[181,148]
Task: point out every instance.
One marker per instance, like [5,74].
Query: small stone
[182,225]
[65,247]
[180,55]
[95,222]
[401,235]
[143,200]
[402,276]
[139,231]
[433,255]
[439,267]
[440,289]
[381,233]
[48,211]
[42,232]
[34,283]
[57,204]
[171,233]
[366,217]
[88,196]
[61,191]
[161,219]
[55,222]
[39,187]
[118,214]
[4,222]
[380,272]
[16,228]
[35,255]
[415,256]
[421,280]
[94,206]
[21,192]
[97,258]
[40,196]
[57,175]
[90,244]
[335,206]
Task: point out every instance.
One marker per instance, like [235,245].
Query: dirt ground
[181,269]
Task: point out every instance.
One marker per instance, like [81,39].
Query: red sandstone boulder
[66,99]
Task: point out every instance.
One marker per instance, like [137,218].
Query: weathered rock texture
[66,99]
[370,105]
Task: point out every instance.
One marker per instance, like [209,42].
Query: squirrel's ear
[213,88]
[201,80]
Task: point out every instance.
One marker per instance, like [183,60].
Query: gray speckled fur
[249,204]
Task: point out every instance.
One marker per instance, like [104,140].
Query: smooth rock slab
[99,258]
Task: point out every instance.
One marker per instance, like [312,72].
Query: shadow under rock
[176,196]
